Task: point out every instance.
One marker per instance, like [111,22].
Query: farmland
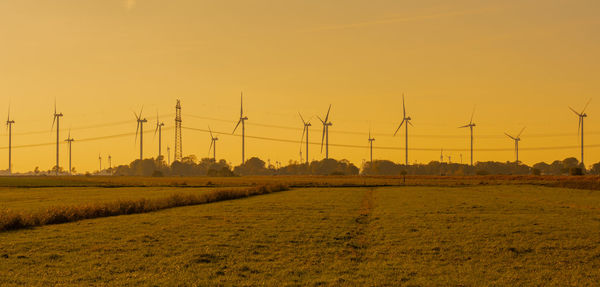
[470,235]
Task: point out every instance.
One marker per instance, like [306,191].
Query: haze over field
[522,63]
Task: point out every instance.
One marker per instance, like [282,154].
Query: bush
[536,171]
[576,171]
[482,172]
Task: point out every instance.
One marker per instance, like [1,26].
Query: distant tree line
[565,167]
[192,166]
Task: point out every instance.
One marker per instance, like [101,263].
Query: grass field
[582,182]
[413,236]
[31,199]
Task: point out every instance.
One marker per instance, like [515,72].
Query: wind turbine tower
[140,131]
[109,162]
[56,120]
[9,124]
[158,129]
[517,139]
[213,145]
[304,132]
[69,141]
[242,120]
[581,116]
[470,125]
[100,160]
[326,124]
[405,121]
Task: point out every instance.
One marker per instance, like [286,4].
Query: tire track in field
[357,240]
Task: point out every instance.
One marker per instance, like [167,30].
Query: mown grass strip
[12,220]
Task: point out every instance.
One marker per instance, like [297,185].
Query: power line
[91,139]
[110,124]
[388,147]
[431,136]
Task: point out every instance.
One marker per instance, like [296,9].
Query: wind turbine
[517,139]
[69,141]
[405,119]
[158,129]
[371,140]
[326,124]
[100,160]
[242,120]
[470,125]
[9,124]
[213,145]
[56,120]
[304,131]
[109,162]
[140,131]
[581,116]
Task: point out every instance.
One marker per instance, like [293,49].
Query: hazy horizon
[518,62]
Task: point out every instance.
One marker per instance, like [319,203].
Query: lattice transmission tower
[178,137]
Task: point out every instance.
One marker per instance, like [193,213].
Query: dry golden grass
[580,182]
[12,220]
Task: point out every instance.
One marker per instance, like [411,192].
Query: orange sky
[522,63]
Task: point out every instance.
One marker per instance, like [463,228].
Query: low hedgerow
[12,220]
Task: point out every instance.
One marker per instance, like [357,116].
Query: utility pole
[168,155]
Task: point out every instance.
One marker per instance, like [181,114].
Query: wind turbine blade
[509,136]
[210,147]
[141,111]
[586,105]
[210,131]
[403,107]
[137,131]
[53,121]
[327,116]
[472,115]
[236,126]
[579,126]
[399,127]
[241,104]
[519,135]
[323,122]
[410,123]
[465,126]
[303,121]
[302,138]
[575,111]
